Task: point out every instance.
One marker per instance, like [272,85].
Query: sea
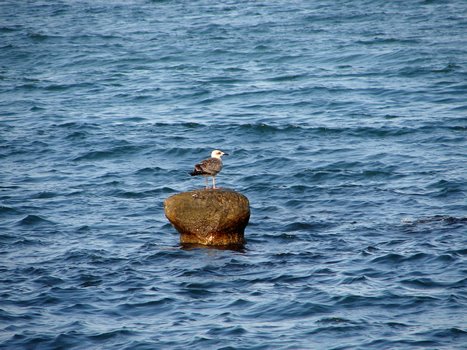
[346,128]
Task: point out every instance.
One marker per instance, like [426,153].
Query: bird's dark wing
[210,167]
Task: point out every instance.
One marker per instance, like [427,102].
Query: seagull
[210,167]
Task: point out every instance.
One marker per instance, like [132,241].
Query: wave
[394,258]
[444,219]
[279,127]
[111,153]
[389,41]
[6,210]
[431,283]
[34,220]
[143,194]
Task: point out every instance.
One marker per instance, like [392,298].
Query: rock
[209,216]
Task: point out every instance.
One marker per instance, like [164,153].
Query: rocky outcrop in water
[215,217]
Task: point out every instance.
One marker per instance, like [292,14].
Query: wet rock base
[209,217]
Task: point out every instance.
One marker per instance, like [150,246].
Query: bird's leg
[206,182]
[213,182]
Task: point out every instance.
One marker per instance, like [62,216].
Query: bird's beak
[225,154]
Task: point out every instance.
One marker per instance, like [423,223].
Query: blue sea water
[346,124]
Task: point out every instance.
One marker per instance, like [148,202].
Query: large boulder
[209,217]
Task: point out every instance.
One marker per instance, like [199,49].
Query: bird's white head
[218,154]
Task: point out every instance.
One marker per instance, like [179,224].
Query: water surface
[346,127]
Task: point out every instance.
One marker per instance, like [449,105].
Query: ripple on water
[34,220]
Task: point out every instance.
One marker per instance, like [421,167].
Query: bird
[210,167]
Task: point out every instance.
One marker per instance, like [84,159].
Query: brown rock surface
[209,217]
